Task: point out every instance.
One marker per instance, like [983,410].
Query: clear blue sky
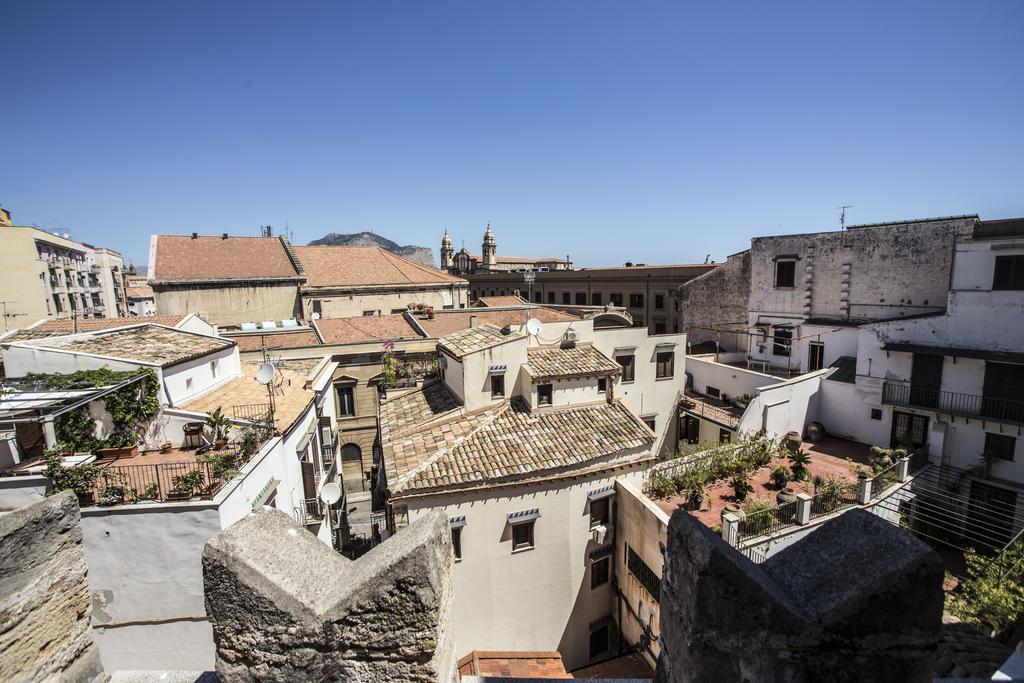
[657,132]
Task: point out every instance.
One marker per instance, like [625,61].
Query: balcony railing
[953,403]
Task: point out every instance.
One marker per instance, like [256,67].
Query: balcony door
[926,380]
[908,428]
[691,429]
[1004,392]
[815,356]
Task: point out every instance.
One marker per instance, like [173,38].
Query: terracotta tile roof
[148,343]
[60,328]
[181,258]
[513,665]
[501,301]
[290,399]
[428,442]
[331,266]
[290,339]
[365,328]
[474,339]
[582,360]
[713,409]
[139,292]
[446,322]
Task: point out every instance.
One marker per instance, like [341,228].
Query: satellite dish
[265,373]
[330,493]
[533,326]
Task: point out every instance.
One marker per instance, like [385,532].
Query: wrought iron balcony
[953,403]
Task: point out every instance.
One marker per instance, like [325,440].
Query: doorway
[815,356]
[908,429]
[691,429]
[925,380]
[352,468]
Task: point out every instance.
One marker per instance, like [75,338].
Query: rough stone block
[857,600]
[286,607]
[44,597]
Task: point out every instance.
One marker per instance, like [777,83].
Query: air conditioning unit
[572,336]
[603,533]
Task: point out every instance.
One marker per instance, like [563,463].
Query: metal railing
[952,403]
[833,500]
[312,510]
[254,412]
[881,482]
[767,522]
[172,481]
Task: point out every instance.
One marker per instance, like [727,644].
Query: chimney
[472,321]
[430,313]
[195,235]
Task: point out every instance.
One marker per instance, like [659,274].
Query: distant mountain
[421,255]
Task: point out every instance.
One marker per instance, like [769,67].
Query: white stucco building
[520,443]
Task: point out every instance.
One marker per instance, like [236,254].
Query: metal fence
[952,403]
[766,522]
[881,482]
[834,499]
[254,412]
[170,481]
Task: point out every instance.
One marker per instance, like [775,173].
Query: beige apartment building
[44,276]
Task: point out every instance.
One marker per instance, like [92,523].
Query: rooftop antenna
[842,216]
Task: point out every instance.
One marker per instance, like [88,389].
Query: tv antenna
[842,215]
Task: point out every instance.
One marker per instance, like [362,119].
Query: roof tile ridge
[388,256]
[441,452]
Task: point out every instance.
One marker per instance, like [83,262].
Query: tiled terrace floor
[828,459]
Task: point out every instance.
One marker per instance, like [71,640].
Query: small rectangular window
[367,314]
[544,393]
[346,401]
[665,364]
[1009,272]
[712,391]
[581,298]
[551,297]
[457,542]
[636,300]
[602,384]
[659,301]
[497,386]
[1001,446]
[782,341]
[566,298]
[659,326]
[785,273]
[876,413]
[522,535]
[536,297]
[595,299]
[600,511]
[615,298]
[188,384]
[318,306]
[650,422]
[599,572]
[724,436]
[627,367]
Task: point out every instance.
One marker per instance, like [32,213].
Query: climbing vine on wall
[130,408]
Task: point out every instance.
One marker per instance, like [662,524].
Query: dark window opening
[1000,446]
[876,413]
[346,401]
[599,572]
[595,299]
[522,535]
[783,341]
[659,327]
[615,298]
[636,300]
[659,301]
[600,511]
[650,422]
[665,364]
[581,298]
[551,297]
[724,436]
[815,356]
[627,367]
[497,386]
[457,542]
[566,297]
[1009,272]
[598,642]
[536,297]
[785,273]
[544,394]
[713,392]
[602,384]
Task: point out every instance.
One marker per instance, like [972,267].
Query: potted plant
[780,477]
[740,488]
[187,484]
[218,423]
[80,478]
[166,447]
[119,445]
[799,460]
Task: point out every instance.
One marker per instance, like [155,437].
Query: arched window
[352,468]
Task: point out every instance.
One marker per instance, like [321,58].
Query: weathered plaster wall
[44,616]
[230,305]
[357,303]
[715,298]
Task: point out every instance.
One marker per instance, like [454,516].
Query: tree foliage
[992,594]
